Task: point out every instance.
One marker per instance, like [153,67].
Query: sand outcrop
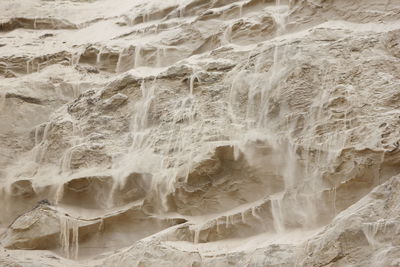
[199,133]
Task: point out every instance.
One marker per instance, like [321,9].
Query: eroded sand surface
[199,133]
